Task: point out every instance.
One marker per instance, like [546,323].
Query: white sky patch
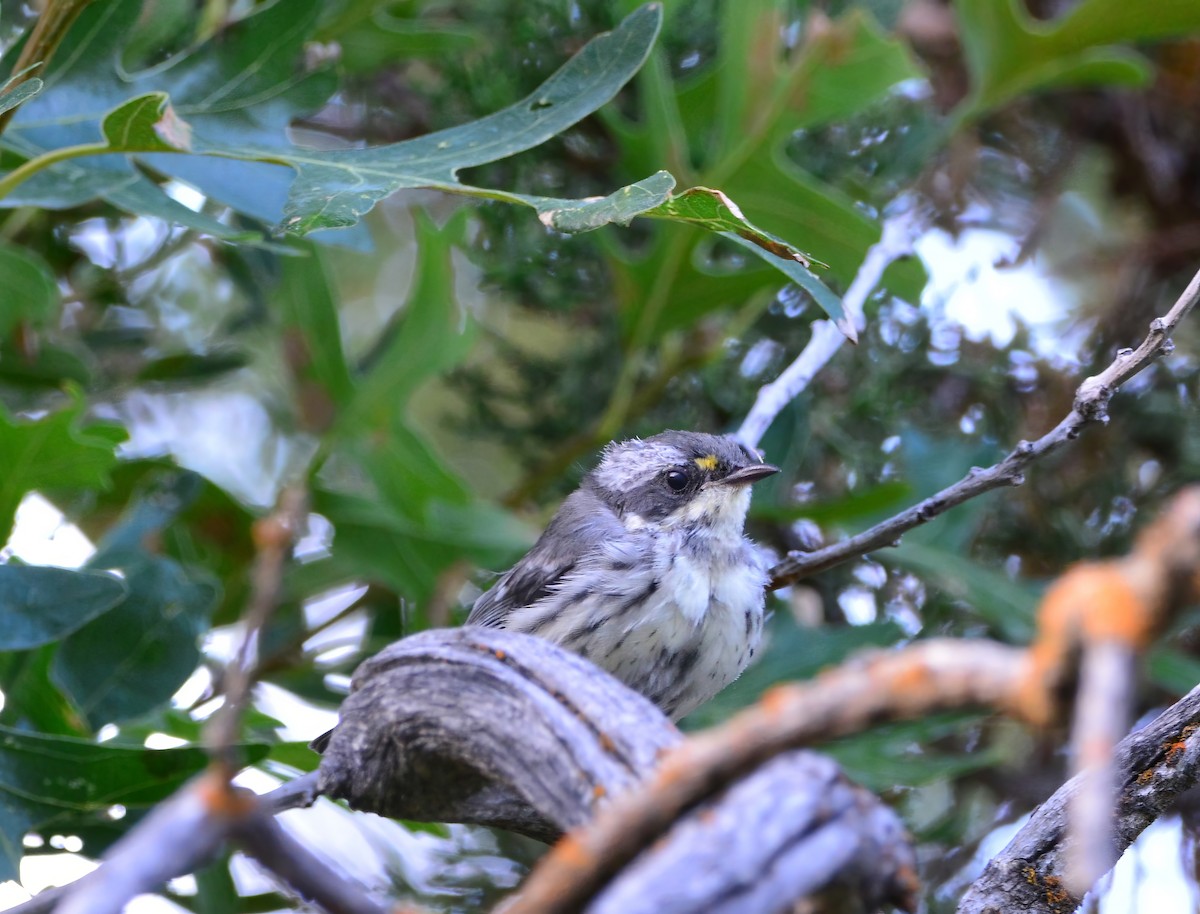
[858,604]
[185,195]
[966,284]
[226,436]
[301,721]
[1149,876]
[42,535]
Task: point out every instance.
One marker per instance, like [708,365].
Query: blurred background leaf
[441,374]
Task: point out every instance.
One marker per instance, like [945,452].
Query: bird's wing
[583,525]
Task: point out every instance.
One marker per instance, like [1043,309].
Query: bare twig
[920,679]
[179,835]
[297,793]
[185,832]
[1154,765]
[1091,405]
[899,233]
[263,839]
[274,536]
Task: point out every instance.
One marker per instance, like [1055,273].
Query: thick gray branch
[795,828]
[491,727]
[483,725]
[1153,766]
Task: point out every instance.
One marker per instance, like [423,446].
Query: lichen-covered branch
[923,678]
[1153,766]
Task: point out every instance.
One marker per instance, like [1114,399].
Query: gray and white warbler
[645,570]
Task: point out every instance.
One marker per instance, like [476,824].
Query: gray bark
[487,726]
[795,829]
[1153,766]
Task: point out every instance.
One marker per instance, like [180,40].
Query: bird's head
[679,478]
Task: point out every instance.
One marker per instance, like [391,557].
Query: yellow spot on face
[707,463]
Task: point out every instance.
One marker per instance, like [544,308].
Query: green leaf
[313,337]
[1008,53]
[375,542]
[193,366]
[331,188]
[31,701]
[12,96]
[49,366]
[146,123]
[1171,669]
[429,334]
[845,69]
[798,273]
[47,779]
[896,755]
[335,188]
[409,474]
[134,657]
[737,121]
[242,89]
[30,292]
[40,605]
[619,207]
[52,452]
[794,652]
[855,507]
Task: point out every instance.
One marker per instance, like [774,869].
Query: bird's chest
[698,631]
[711,585]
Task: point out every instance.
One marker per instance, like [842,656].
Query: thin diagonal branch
[1091,406]
[899,233]
[274,536]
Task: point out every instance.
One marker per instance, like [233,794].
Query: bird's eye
[677,480]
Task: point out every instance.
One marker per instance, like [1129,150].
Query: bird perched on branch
[645,570]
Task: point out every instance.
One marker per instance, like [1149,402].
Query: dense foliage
[209,291]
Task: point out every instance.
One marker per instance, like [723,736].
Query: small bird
[645,570]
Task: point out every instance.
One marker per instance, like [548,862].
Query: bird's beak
[747,475]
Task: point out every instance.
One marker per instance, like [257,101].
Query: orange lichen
[776,700]
[220,798]
[1056,894]
[1176,747]
[570,851]
[912,677]
[1091,601]
[270,533]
